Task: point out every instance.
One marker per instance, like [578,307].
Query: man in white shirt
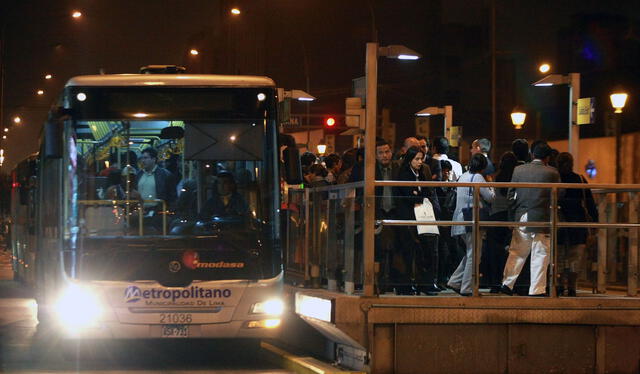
[441,147]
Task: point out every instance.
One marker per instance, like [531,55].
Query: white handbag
[424,212]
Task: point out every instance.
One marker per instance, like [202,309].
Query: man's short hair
[484,144]
[308,159]
[541,150]
[380,142]
[332,160]
[520,148]
[441,145]
[445,165]
[151,151]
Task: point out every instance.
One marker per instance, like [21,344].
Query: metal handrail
[554,223]
[140,216]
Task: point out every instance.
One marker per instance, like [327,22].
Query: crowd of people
[416,260]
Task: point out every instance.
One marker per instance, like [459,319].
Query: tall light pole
[446,110]
[573,81]
[618,100]
[371,74]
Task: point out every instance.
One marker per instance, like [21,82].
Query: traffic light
[330,122]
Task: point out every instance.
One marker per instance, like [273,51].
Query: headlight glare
[78,307]
[272,307]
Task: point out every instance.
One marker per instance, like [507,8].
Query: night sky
[322,43]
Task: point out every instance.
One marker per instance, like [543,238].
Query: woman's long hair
[409,156]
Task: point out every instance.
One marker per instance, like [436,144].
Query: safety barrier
[324,245]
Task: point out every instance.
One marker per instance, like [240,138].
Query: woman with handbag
[577,205]
[421,254]
[461,280]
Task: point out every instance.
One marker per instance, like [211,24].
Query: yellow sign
[456,134]
[585,111]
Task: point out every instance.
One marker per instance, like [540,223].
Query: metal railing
[128,204]
[329,219]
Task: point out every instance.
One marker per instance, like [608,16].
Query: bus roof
[171,80]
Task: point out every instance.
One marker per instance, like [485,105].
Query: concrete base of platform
[490,334]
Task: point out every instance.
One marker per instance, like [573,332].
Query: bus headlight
[272,307]
[77,307]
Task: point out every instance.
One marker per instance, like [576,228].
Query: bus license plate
[175,331]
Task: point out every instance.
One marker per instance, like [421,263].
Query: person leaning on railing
[461,280]
[576,206]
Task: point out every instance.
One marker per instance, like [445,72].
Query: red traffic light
[330,122]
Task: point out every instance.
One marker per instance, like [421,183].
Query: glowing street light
[40,92]
[544,68]
[322,148]
[17,119]
[48,76]
[618,100]
[517,118]
[294,94]
[194,52]
[235,11]
[6,129]
[76,14]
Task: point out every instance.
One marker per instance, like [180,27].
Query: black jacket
[406,199]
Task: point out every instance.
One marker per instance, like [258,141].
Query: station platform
[448,333]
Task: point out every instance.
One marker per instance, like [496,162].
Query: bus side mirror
[292,168]
[53,133]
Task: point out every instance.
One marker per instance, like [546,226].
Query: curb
[299,364]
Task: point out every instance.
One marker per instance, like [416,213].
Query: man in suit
[531,205]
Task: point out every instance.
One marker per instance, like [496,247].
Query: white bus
[181,241]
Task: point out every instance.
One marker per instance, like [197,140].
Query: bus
[155,208]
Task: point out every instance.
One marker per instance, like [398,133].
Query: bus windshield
[156,181]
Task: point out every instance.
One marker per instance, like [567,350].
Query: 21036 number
[176,318]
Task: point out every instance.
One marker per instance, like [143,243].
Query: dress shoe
[538,295]
[571,292]
[429,290]
[495,289]
[506,290]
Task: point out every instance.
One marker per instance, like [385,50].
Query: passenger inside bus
[226,200]
[117,184]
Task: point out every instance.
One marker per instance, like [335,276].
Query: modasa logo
[133,294]
[191,260]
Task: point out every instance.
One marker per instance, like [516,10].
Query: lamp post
[446,110]
[573,81]
[371,74]
[618,100]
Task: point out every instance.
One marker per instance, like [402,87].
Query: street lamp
[48,76]
[322,147]
[544,68]
[446,110]
[76,14]
[17,119]
[517,118]
[371,75]
[618,100]
[294,94]
[573,81]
